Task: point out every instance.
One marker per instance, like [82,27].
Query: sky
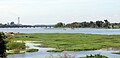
[54,11]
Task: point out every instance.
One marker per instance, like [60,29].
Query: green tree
[92,24]
[60,24]
[99,24]
[68,25]
[106,24]
[12,23]
[2,45]
[75,24]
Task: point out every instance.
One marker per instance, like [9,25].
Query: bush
[32,50]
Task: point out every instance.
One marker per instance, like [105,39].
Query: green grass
[72,42]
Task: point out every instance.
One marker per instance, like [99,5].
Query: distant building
[19,21]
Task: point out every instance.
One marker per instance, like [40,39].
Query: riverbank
[72,42]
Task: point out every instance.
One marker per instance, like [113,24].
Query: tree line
[91,24]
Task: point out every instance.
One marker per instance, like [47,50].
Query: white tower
[18,20]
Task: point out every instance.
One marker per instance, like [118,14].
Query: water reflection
[62,30]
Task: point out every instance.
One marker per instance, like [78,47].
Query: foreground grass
[95,56]
[72,42]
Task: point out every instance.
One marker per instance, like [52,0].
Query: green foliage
[58,50]
[2,45]
[32,50]
[15,45]
[2,36]
[95,56]
[60,24]
[91,24]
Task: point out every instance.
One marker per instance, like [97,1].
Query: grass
[72,42]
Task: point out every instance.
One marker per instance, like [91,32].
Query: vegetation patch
[16,45]
[13,47]
[57,50]
[72,42]
[32,50]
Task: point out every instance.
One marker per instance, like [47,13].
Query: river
[61,30]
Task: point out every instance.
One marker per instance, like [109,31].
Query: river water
[42,51]
[62,30]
